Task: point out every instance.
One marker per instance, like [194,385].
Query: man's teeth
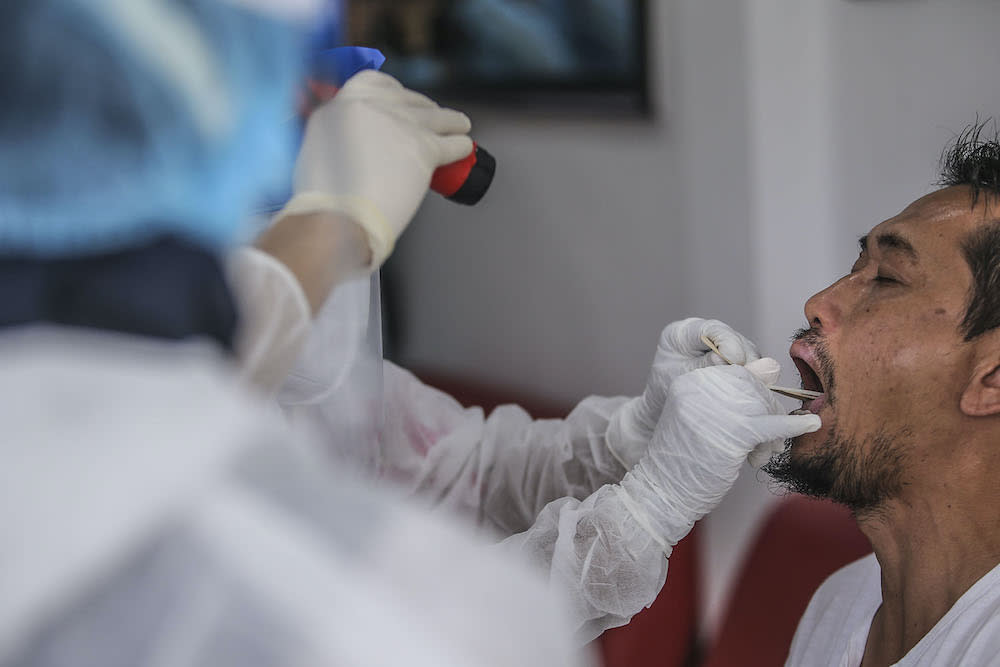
[801,411]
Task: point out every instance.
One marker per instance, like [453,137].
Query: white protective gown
[154,512]
[540,484]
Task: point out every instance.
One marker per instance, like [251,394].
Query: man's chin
[861,473]
[806,466]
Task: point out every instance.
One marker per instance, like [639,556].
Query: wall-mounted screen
[553,54]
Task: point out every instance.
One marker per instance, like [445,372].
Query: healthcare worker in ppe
[152,510]
[598,499]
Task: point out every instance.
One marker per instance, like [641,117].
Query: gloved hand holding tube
[464,181]
[371,152]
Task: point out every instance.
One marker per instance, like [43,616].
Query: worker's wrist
[379,235]
[322,250]
[651,508]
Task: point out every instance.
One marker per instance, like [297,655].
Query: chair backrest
[802,542]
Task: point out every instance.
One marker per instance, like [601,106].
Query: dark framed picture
[560,55]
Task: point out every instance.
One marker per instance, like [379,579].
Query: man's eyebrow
[890,241]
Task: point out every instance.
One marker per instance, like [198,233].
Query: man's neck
[930,554]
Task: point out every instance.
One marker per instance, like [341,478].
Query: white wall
[785,130]
[562,279]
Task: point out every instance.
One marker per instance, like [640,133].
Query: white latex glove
[679,351]
[712,420]
[370,153]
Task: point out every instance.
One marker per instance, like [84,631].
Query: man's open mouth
[806,363]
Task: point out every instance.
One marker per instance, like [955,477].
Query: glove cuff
[381,238]
[641,517]
[656,509]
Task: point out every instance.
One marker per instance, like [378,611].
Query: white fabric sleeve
[281,348]
[548,485]
[598,557]
[275,320]
[503,469]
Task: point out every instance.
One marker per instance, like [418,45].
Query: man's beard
[861,474]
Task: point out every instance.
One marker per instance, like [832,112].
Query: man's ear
[981,397]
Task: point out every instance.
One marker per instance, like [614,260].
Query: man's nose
[823,309]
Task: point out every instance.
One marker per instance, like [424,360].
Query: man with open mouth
[905,350]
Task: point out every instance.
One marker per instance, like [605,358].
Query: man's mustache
[809,335]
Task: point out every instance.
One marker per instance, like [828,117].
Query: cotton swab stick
[801,394]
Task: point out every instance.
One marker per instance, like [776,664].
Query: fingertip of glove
[461,122]
[805,423]
[454,147]
[814,422]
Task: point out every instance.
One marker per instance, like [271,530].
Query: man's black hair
[974,161]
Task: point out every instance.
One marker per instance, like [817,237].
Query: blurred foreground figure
[906,352]
[152,512]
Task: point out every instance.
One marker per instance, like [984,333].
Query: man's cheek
[860,397]
[908,358]
[918,373]
[808,443]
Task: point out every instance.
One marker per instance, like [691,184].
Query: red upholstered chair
[802,542]
[665,634]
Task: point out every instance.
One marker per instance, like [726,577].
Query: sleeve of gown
[282,349]
[503,468]
[548,485]
[275,320]
[598,558]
